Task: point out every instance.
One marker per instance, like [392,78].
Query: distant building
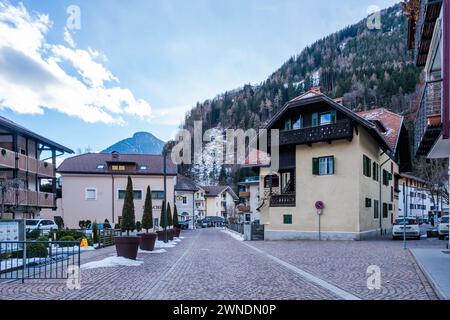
[27,171]
[414,198]
[94,184]
[185,191]
[220,201]
[249,198]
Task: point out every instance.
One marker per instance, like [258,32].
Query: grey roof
[88,163]
[12,126]
[214,191]
[185,184]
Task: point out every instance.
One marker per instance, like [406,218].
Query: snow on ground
[112,262]
[14,263]
[161,244]
[154,251]
[234,234]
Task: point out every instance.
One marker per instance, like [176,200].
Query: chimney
[316,89]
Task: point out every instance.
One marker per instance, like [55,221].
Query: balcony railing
[24,163]
[339,130]
[29,198]
[428,118]
[243,208]
[282,200]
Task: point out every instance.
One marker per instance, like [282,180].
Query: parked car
[183,224]
[100,226]
[410,228]
[42,224]
[443,228]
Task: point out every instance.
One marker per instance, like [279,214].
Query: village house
[94,184]
[185,191]
[27,171]
[339,160]
[249,198]
[219,201]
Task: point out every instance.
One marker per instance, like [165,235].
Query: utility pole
[405,214]
[165,195]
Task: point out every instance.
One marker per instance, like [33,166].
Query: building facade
[185,191]
[94,184]
[249,199]
[331,156]
[219,201]
[27,171]
[414,198]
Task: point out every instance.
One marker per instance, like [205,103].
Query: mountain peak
[140,143]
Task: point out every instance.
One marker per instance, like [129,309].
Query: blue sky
[158,55]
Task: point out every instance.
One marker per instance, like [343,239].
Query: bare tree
[435,172]
[8,191]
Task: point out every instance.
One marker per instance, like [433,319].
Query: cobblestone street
[210,264]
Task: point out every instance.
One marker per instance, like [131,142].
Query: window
[137,194]
[323,166]
[287,219]
[367,163]
[325,118]
[116,167]
[368,203]
[288,125]
[390,206]
[375,173]
[184,199]
[375,209]
[275,181]
[298,124]
[158,195]
[91,194]
[386,177]
[385,210]
[392,194]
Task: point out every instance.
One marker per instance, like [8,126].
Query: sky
[87,74]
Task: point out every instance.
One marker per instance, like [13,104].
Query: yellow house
[340,160]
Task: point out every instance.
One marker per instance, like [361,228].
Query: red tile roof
[390,120]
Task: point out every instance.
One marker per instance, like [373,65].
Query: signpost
[319,207]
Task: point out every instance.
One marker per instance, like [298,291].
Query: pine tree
[175,216]
[147,218]
[162,220]
[169,215]
[128,217]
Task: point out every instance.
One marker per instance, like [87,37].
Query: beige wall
[74,206]
[214,204]
[344,193]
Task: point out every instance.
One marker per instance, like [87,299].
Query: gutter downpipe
[380,204]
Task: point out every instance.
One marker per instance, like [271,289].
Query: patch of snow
[14,263]
[161,244]
[112,262]
[154,251]
[234,234]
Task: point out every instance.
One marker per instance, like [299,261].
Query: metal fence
[238,227]
[106,237]
[20,260]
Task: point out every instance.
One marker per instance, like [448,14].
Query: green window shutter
[333,116]
[368,202]
[315,166]
[287,219]
[375,209]
[364,165]
[369,167]
[315,119]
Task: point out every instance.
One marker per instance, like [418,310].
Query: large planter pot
[127,247]
[177,232]
[161,234]
[147,241]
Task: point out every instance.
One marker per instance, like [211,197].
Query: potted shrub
[148,239]
[170,233]
[127,246]
[176,226]
[162,222]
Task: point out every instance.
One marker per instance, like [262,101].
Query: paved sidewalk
[435,264]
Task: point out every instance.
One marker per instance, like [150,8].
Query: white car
[410,228]
[42,224]
[443,228]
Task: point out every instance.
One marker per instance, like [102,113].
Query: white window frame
[86,193]
[184,200]
[120,189]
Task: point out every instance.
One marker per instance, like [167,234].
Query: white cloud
[35,75]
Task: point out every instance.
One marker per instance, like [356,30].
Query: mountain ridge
[140,143]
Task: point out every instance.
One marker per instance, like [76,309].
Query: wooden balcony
[340,130]
[24,163]
[282,200]
[244,194]
[30,198]
[428,122]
